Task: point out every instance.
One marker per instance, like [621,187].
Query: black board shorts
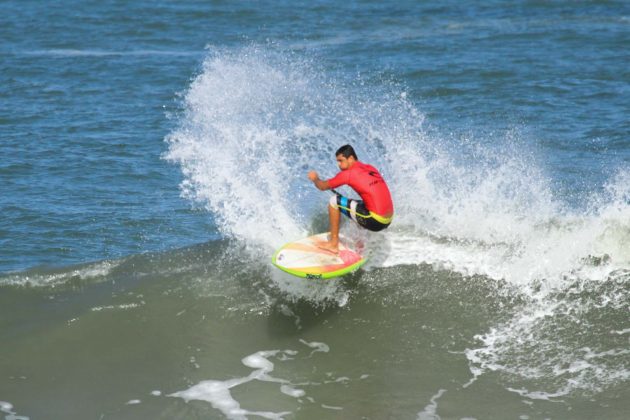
[355,210]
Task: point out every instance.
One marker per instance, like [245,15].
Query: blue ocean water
[154,153]
[90,90]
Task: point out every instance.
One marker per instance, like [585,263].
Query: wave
[68,52]
[256,119]
[57,277]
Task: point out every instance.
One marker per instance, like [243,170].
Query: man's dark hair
[347,151]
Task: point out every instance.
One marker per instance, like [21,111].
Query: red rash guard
[369,184]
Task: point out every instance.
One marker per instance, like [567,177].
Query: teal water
[154,155]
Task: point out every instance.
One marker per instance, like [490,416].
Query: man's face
[344,162]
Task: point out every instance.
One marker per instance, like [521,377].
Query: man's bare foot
[329,246]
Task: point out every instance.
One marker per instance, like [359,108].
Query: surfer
[374,211]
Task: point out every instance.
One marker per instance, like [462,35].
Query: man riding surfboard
[374,211]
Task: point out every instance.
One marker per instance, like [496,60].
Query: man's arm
[320,184]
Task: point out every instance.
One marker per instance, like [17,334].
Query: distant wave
[56,277]
[106,53]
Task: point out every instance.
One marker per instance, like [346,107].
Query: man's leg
[334,216]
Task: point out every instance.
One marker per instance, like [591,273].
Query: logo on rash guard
[375,175]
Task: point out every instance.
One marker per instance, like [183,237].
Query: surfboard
[304,258]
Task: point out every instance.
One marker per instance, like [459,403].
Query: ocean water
[154,155]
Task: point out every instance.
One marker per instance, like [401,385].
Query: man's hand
[321,185]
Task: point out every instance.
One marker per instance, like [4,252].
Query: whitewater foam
[560,342]
[430,411]
[7,408]
[217,393]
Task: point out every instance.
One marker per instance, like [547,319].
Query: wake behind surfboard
[304,258]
